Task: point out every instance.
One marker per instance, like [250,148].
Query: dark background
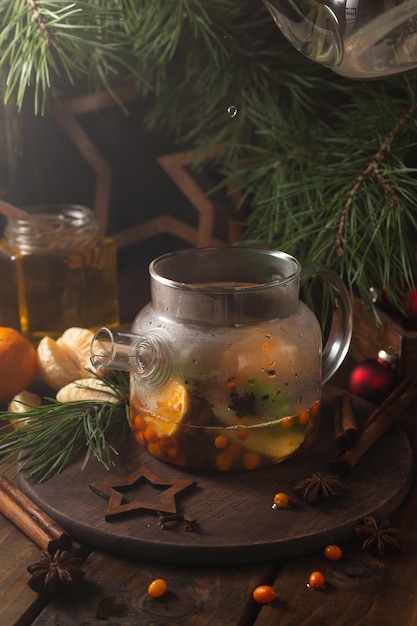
[41,165]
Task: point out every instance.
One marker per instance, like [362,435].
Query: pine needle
[49,437]
[325,167]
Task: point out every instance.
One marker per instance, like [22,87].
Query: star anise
[54,571]
[242,404]
[377,537]
[319,487]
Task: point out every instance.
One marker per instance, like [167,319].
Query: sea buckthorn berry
[304,418]
[316,408]
[316,580]
[282,500]
[286,422]
[221,442]
[224,461]
[332,552]
[157,588]
[264,594]
[251,460]
[234,450]
[155,449]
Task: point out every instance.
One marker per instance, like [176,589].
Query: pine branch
[295,144]
[49,437]
[53,43]
[42,23]
[374,168]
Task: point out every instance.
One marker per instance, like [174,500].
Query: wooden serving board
[235,519]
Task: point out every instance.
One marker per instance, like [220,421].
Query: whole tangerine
[18,363]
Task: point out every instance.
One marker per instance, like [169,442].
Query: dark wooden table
[361,588]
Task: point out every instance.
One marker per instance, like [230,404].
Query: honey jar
[57,271]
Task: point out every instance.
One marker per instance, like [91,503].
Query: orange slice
[171,409]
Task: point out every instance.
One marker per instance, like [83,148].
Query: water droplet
[272,374]
[232,111]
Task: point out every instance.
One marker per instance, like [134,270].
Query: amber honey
[61,277]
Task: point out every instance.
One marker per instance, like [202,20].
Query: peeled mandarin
[23,402]
[66,359]
[78,340]
[57,366]
[87,389]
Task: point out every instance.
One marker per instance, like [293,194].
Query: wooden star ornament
[118,506]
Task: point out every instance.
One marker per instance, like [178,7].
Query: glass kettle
[355,38]
[226,362]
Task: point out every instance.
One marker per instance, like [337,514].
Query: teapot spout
[114,349]
[144,355]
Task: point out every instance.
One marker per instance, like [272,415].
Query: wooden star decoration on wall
[114,491]
[66,114]
[175,166]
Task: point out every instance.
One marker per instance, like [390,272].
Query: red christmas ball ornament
[374,379]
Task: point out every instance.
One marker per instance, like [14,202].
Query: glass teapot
[355,38]
[226,362]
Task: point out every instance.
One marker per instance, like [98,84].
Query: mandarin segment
[78,340]
[22,404]
[67,359]
[24,401]
[57,366]
[87,389]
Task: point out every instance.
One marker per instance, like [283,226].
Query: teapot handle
[340,334]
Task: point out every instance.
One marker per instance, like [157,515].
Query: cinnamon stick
[403,393]
[345,426]
[376,425]
[36,524]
